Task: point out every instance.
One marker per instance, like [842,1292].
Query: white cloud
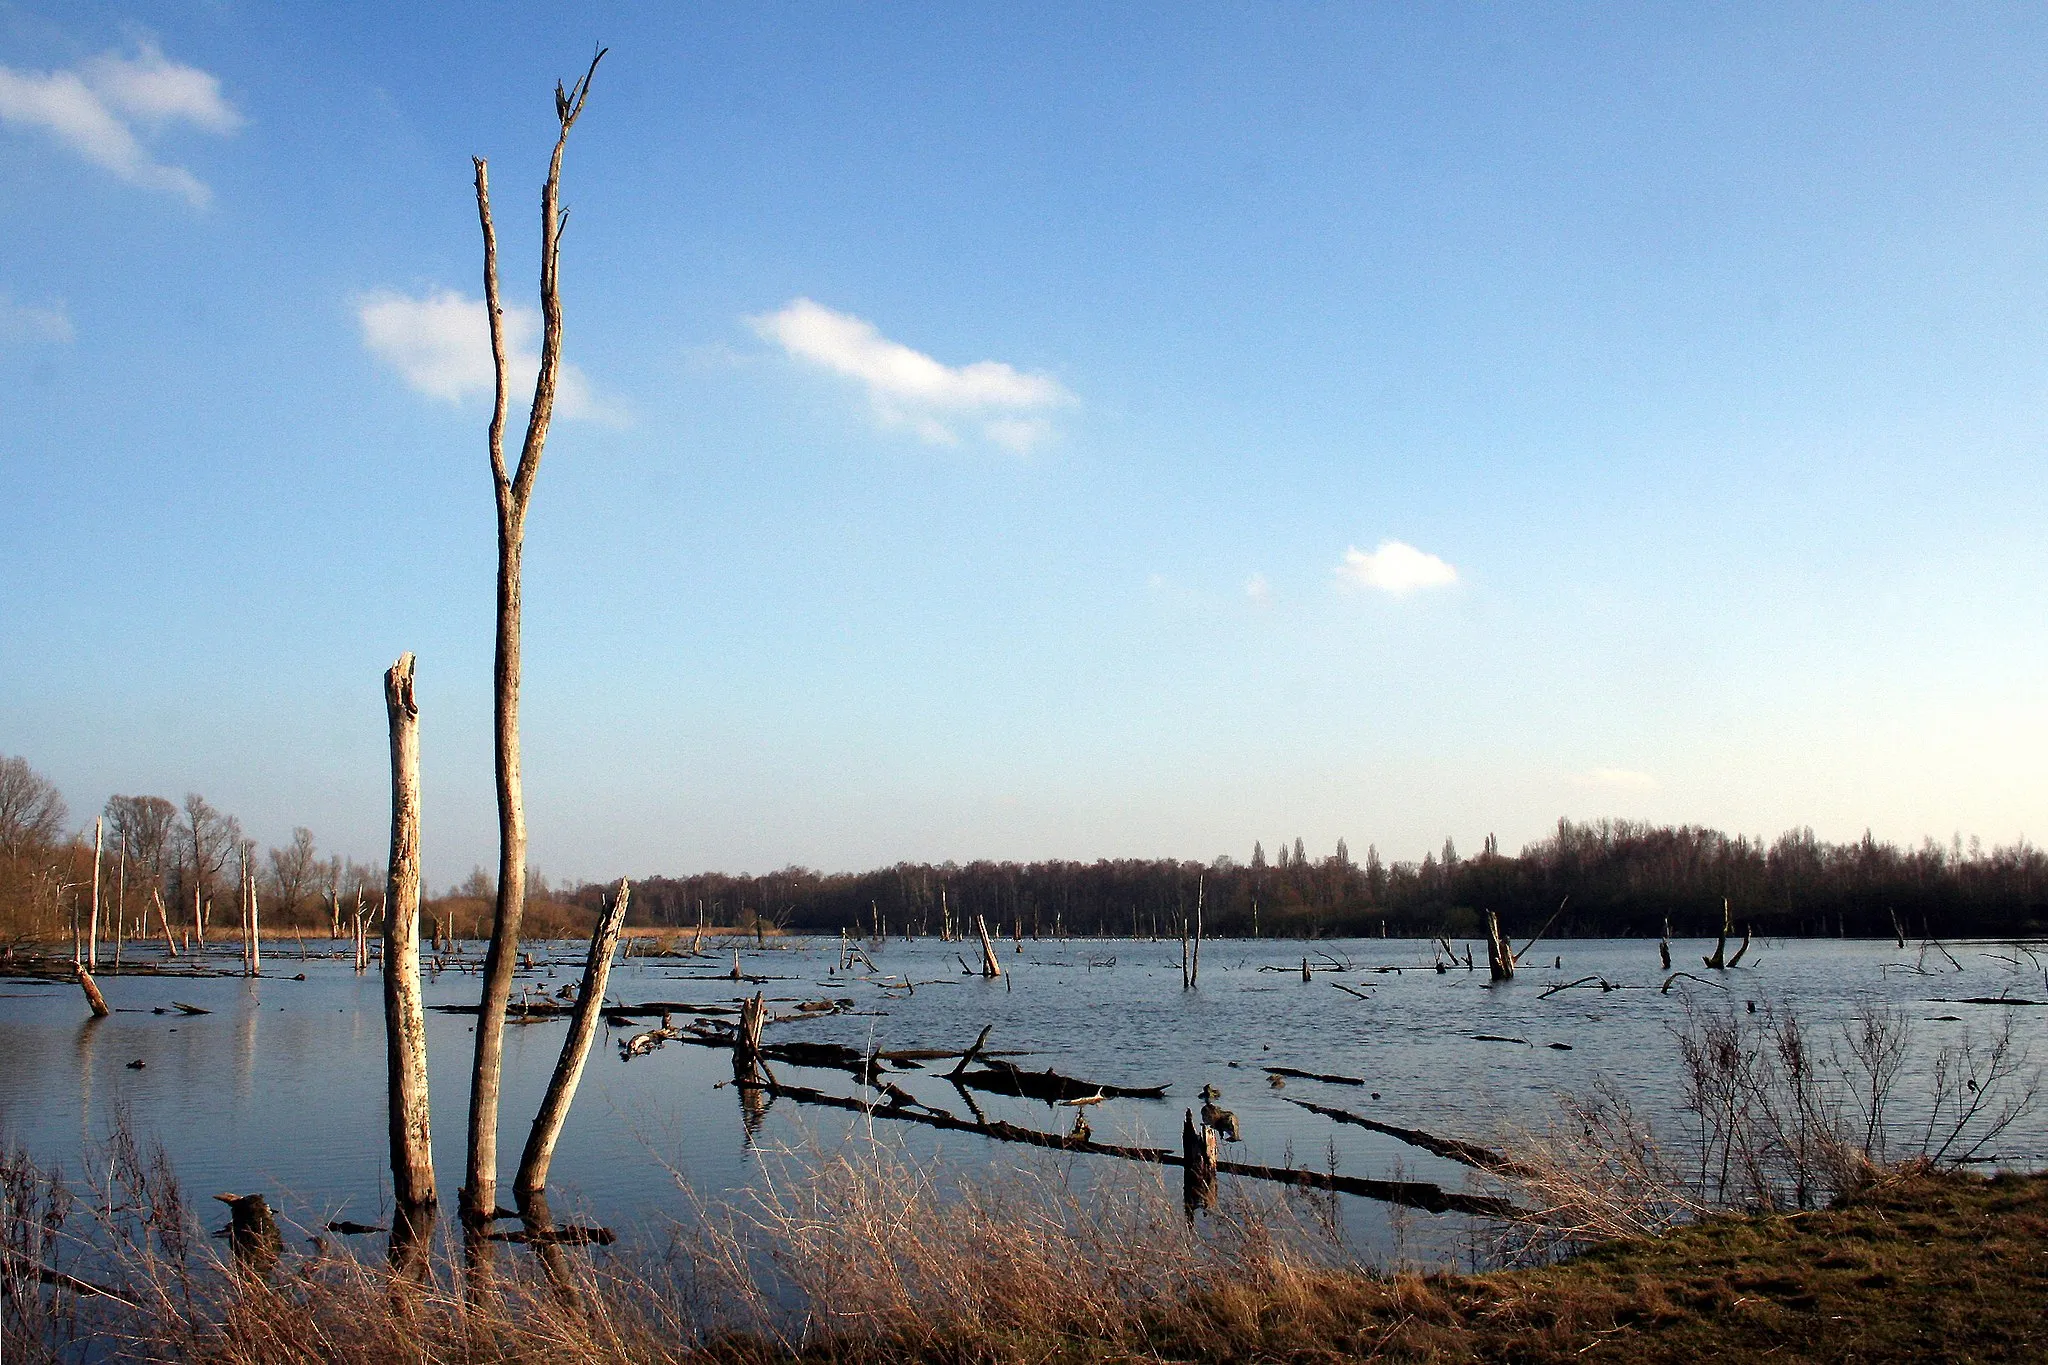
[24,322]
[1615,779]
[910,389]
[1258,589]
[94,111]
[440,344]
[1396,568]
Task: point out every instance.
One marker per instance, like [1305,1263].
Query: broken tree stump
[405,1028]
[1719,961]
[1198,1163]
[989,966]
[93,997]
[1500,959]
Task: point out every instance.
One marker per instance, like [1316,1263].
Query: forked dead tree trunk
[1719,961]
[532,1180]
[405,1023]
[514,489]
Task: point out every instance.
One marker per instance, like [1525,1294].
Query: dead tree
[92,933]
[1719,961]
[1500,959]
[1198,1163]
[989,965]
[405,1027]
[96,1002]
[530,1185]
[514,491]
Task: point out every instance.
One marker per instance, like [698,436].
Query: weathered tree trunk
[120,906]
[1198,1163]
[255,930]
[1719,961]
[514,490]
[93,997]
[1195,968]
[1500,959]
[532,1178]
[405,1026]
[92,932]
[989,965]
[170,942]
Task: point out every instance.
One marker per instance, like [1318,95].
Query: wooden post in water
[405,1024]
[989,966]
[92,933]
[1184,981]
[1198,1163]
[532,1181]
[1195,967]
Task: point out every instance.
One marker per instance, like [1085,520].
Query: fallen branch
[1451,1149]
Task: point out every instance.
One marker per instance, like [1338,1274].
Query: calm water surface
[281,1087]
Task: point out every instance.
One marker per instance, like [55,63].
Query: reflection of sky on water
[281,1087]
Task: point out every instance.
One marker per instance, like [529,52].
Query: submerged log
[1007,1078]
[1312,1075]
[1451,1149]
[1413,1194]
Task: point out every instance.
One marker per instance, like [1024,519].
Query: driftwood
[1413,1194]
[1570,985]
[1312,1075]
[184,1008]
[1665,989]
[18,1264]
[1451,1149]
[1007,1078]
[1347,990]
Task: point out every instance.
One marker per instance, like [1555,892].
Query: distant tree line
[1611,878]
[189,855]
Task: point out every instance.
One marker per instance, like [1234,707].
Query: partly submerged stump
[1719,961]
[93,997]
[1198,1163]
[252,1232]
[1500,959]
[989,966]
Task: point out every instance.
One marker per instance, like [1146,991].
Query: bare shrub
[1768,1119]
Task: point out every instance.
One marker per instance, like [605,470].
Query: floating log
[1007,1078]
[349,1228]
[1312,1075]
[1451,1149]
[184,1008]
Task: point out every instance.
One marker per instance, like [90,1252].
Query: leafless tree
[208,841]
[32,811]
[295,873]
[514,489]
[143,825]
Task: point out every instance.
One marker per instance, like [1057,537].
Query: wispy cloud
[440,345]
[1615,779]
[1258,589]
[24,322]
[1395,568]
[910,389]
[101,109]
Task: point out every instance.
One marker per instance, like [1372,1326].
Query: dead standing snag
[514,490]
[405,1028]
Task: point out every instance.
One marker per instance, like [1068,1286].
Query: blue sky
[1038,431]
